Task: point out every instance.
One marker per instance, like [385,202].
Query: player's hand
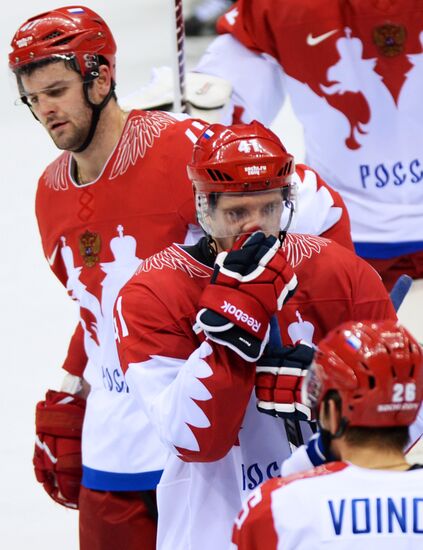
[57,456]
[279,376]
[249,284]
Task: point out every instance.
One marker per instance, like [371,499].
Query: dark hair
[392,438]
[213,197]
[29,68]
[70,64]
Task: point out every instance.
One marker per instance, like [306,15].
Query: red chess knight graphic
[356,82]
[361,86]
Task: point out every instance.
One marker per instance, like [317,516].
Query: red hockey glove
[279,377]
[248,286]
[57,456]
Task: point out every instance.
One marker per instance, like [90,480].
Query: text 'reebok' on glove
[57,457]
[279,377]
[249,284]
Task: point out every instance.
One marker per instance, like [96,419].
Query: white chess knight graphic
[99,338]
[301,330]
[363,128]
[353,75]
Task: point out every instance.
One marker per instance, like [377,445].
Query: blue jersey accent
[112,481]
[385,251]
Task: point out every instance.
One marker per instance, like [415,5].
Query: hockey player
[117,194]
[366,385]
[193,321]
[352,70]
[99,217]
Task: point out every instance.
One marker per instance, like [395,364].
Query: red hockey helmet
[239,158]
[377,368]
[72,32]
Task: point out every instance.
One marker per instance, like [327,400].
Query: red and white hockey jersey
[334,506]
[353,71]
[199,395]
[94,237]
[319,209]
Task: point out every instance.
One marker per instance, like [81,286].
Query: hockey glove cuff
[279,378]
[57,456]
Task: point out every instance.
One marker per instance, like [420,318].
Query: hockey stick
[178,61]
[400,290]
[292,427]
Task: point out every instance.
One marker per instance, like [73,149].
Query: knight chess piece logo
[89,247]
[390,39]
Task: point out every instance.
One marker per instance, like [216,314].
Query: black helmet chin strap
[211,245]
[95,116]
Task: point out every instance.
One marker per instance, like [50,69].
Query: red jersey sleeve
[194,392]
[48,241]
[76,358]
[254,527]
[252,23]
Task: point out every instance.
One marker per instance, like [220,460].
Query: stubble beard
[72,141]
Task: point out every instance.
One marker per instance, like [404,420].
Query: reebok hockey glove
[249,284]
[279,376]
[57,457]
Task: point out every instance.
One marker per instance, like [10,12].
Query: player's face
[56,97]
[238,214]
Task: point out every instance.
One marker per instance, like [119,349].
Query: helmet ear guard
[377,369]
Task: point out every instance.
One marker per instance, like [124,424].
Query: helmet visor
[224,215]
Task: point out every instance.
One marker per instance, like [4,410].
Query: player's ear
[333,417]
[102,84]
